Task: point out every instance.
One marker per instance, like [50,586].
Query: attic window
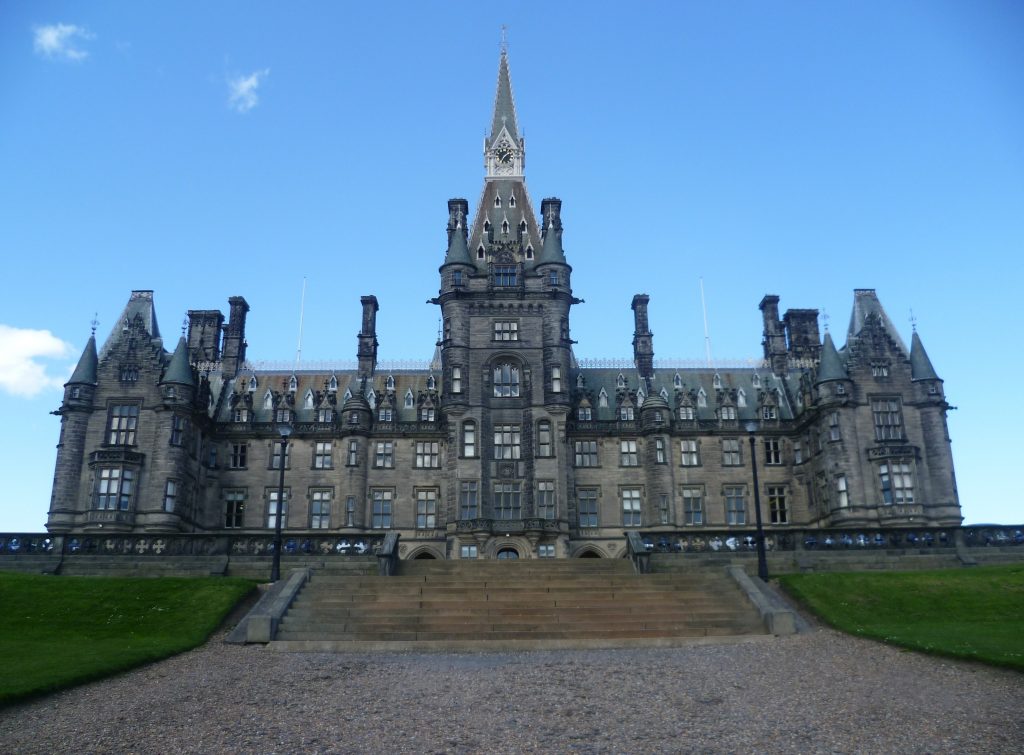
[497,201]
[390,383]
[332,384]
[129,374]
[769,412]
[677,381]
[522,226]
[307,402]
[717,381]
[602,399]
[504,226]
[487,225]
[620,381]
[268,400]
[529,252]
[580,382]
[741,398]
[880,370]
[409,399]
[293,384]
[756,380]
[480,252]
[664,394]
[347,395]
[702,398]
[512,201]
[431,383]
[252,384]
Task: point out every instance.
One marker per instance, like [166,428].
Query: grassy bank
[973,613]
[59,631]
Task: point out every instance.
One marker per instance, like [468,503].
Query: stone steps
[464,604]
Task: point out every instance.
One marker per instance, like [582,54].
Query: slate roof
[178,369]
[504,189]
[85,371]
[920,365]
[504,103]
[831,366]
[140,303]
[865,303]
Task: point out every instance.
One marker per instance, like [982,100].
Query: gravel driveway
[815,692]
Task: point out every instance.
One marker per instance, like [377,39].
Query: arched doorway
[508,554]
[425,555]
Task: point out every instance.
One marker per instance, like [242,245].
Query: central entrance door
[508,553]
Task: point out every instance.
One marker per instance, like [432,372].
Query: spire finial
[184,326]
[95,322]
[504,39]
[913,320]
[825,318]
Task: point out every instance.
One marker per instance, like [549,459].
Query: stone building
[506,445]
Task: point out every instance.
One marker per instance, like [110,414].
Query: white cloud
[242,94]
[21,372]
[58,41]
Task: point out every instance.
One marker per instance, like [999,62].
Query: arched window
[741,398]
[431,383]
[506,380]
[293,384]
[268,400]
[332,384]
[252,384]
[307,402]
[389,384]
[408,398]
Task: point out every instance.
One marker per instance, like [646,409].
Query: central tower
[506,354]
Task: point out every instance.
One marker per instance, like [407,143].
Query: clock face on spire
[504,154]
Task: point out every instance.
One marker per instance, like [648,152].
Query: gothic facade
[506,446]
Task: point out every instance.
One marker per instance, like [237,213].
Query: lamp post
[284,429]
[762,558]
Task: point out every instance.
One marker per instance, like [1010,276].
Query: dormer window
[717,381]
[664,394]
[677,382]
[602,399]
[504,227]
[347,395]
[728,412]
[702,398]
[307,402]
[686,413]
[756,380]
[620,381]
[529,252]
[427,414]
[626,413]
[409,399]
[324,416]
[480,252]
[240,415]
[584,414]
[268,400]
[332,384]
[487,226]
[512,201]
[580,381]
[371,398]
[390,383]
[283,415]
[252,384]
[741,398]
[769,412]
[431,383]
[497,201]
[522,226]
[385,415]
[293,384]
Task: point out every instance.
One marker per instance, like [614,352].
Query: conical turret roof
[831,365]
[85,371]
[179,370]
[552,250]
[920,365]
[458,251]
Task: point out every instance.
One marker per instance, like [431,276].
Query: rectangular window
[275,455]
[544,439]
[350,511]
[506,330]
[627,454]
[427,454]
[320,509]
[556,379]
[631,507]
[798,452]
[234,509]
[272,508]
[239,455]
[693,506]
[468,551]
[659,450]
[728,412]
[735,505]
[546,500]
[897,483]
[506,442]
[426,509]
[456,380]
[553,278]
[778,510]
[171,496]
[427,414]
[769,412]
[584,414]
[353,453]
[324,416]
[469,439]
[114,488]
[122,424]
[833,426]
[663,509]
[385,415]
[772,451]
[468,506]
[506,500]
[380,516]
[586,453]
[686,412]
[322,455]
[283,415]
[179,430]
[731,456]
[384,458]
[504,276]
[586,505]
[880,370]
[842,495]
[689,453]
[457,278]
[626,413]
[888,416]
[240,415]
[546,551]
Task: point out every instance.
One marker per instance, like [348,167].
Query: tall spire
[504,104]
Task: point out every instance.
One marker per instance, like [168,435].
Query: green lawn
[59,631]
[975,613]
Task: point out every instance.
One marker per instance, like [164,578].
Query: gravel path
[816,692]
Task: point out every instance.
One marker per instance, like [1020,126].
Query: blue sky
[803,149]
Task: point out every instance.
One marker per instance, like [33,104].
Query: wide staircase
[514,605]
